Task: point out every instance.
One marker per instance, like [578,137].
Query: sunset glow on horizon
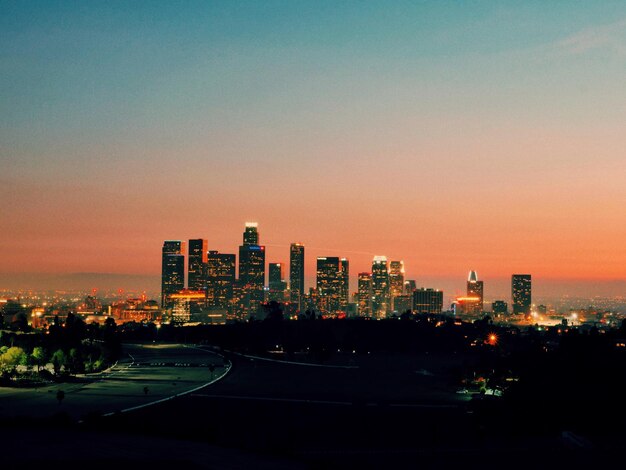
[490,138]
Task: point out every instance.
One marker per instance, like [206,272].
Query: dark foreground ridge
[383,404]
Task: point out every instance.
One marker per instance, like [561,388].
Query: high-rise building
[277,284]
[220,279]
[499,307]
[409,286]
[380,287]
[251,234]
[396,281]
[196,265]
[172,270]
[331,284]
[252,276]
[475,289]
[344,285]
[428,301]
[396,277]
[296,273]
[402,303]
[252,270]
[521,291]
[365,294]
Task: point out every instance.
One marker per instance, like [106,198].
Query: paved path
[166,371]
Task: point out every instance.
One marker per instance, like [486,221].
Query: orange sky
[488,138]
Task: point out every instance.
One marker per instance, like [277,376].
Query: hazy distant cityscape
[200,285]
[312,234]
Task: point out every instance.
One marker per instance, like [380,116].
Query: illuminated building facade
[467,305]
[277,284]
[396,281]
[252,270]
[364,295]
[428,301]
[521,292]
[181,301]
[196,265]
[475,289]
[380,287]
[172,270]
[409,286]
[296,274]
[344,284]
[331,284]
[135,310]
[402,303]
[251,234]
[220,280]
[499,307]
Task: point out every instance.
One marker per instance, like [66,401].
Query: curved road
[166,370]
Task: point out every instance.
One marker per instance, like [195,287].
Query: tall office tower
[396,281]
[252,269]
[196,265]
[330,284]
[365,294]
[499,307]
[521,287]
[380,287]
[277,282]
[402,303]
[296,273]
[344,284]
[251,234]
[475,289]
[172,270]
[220,280]
[409,286]
[428,301]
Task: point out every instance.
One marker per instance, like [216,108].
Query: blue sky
[316,118]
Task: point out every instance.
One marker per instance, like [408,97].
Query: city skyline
[498,286]
[448,137]
[212,283]
[393,231]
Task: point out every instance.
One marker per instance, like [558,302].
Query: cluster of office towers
[211,276]
[212,283]
[473,302]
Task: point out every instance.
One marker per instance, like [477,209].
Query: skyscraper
[331,284]
[521,291]
[277,282]
[402,303]
[428,301]
[220,280]
[499,307]
[344,284]
[409,286]
[251,234]
[196,265]
[380,287]
[172,270]
[252,269]
[365,294]
[296,273]
[396,280]
[475,289]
